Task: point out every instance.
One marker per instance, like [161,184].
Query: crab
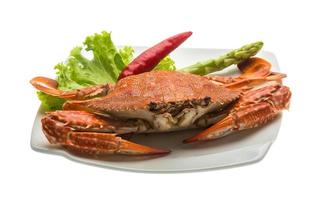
[96,119]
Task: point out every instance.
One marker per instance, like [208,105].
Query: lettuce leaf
[166,64]
[104,67]
[49,102]
[78,71]
[126,54]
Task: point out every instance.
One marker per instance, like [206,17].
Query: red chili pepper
[147,60]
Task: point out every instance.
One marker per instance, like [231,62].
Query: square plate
[237,149]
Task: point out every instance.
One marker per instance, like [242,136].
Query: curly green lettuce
[166,64]
[78,71]
[104,67]
[49,102]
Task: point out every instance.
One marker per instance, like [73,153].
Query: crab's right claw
[98,144]
[91,143]
[130,148]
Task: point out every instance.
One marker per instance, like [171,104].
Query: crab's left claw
[220,129]
[254,109]
[249,117]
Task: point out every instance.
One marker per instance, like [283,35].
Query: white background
[35,35]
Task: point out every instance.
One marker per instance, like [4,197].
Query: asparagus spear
[233,57]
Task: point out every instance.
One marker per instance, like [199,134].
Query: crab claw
[254,109]
[93,143]
[250,117]
[84,121]
[70,134]
[220,129]
[50,86]
[254,67]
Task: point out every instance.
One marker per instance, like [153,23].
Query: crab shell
[165,100]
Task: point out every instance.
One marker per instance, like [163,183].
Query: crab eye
[206,101]
[152,106]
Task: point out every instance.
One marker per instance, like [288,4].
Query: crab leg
[253,68]
[255,72]
[254,109]
[49,86]
[251,83]
[74,135]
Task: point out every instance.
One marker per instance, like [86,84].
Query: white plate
[237,149]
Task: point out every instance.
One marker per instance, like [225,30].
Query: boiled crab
[94,119]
